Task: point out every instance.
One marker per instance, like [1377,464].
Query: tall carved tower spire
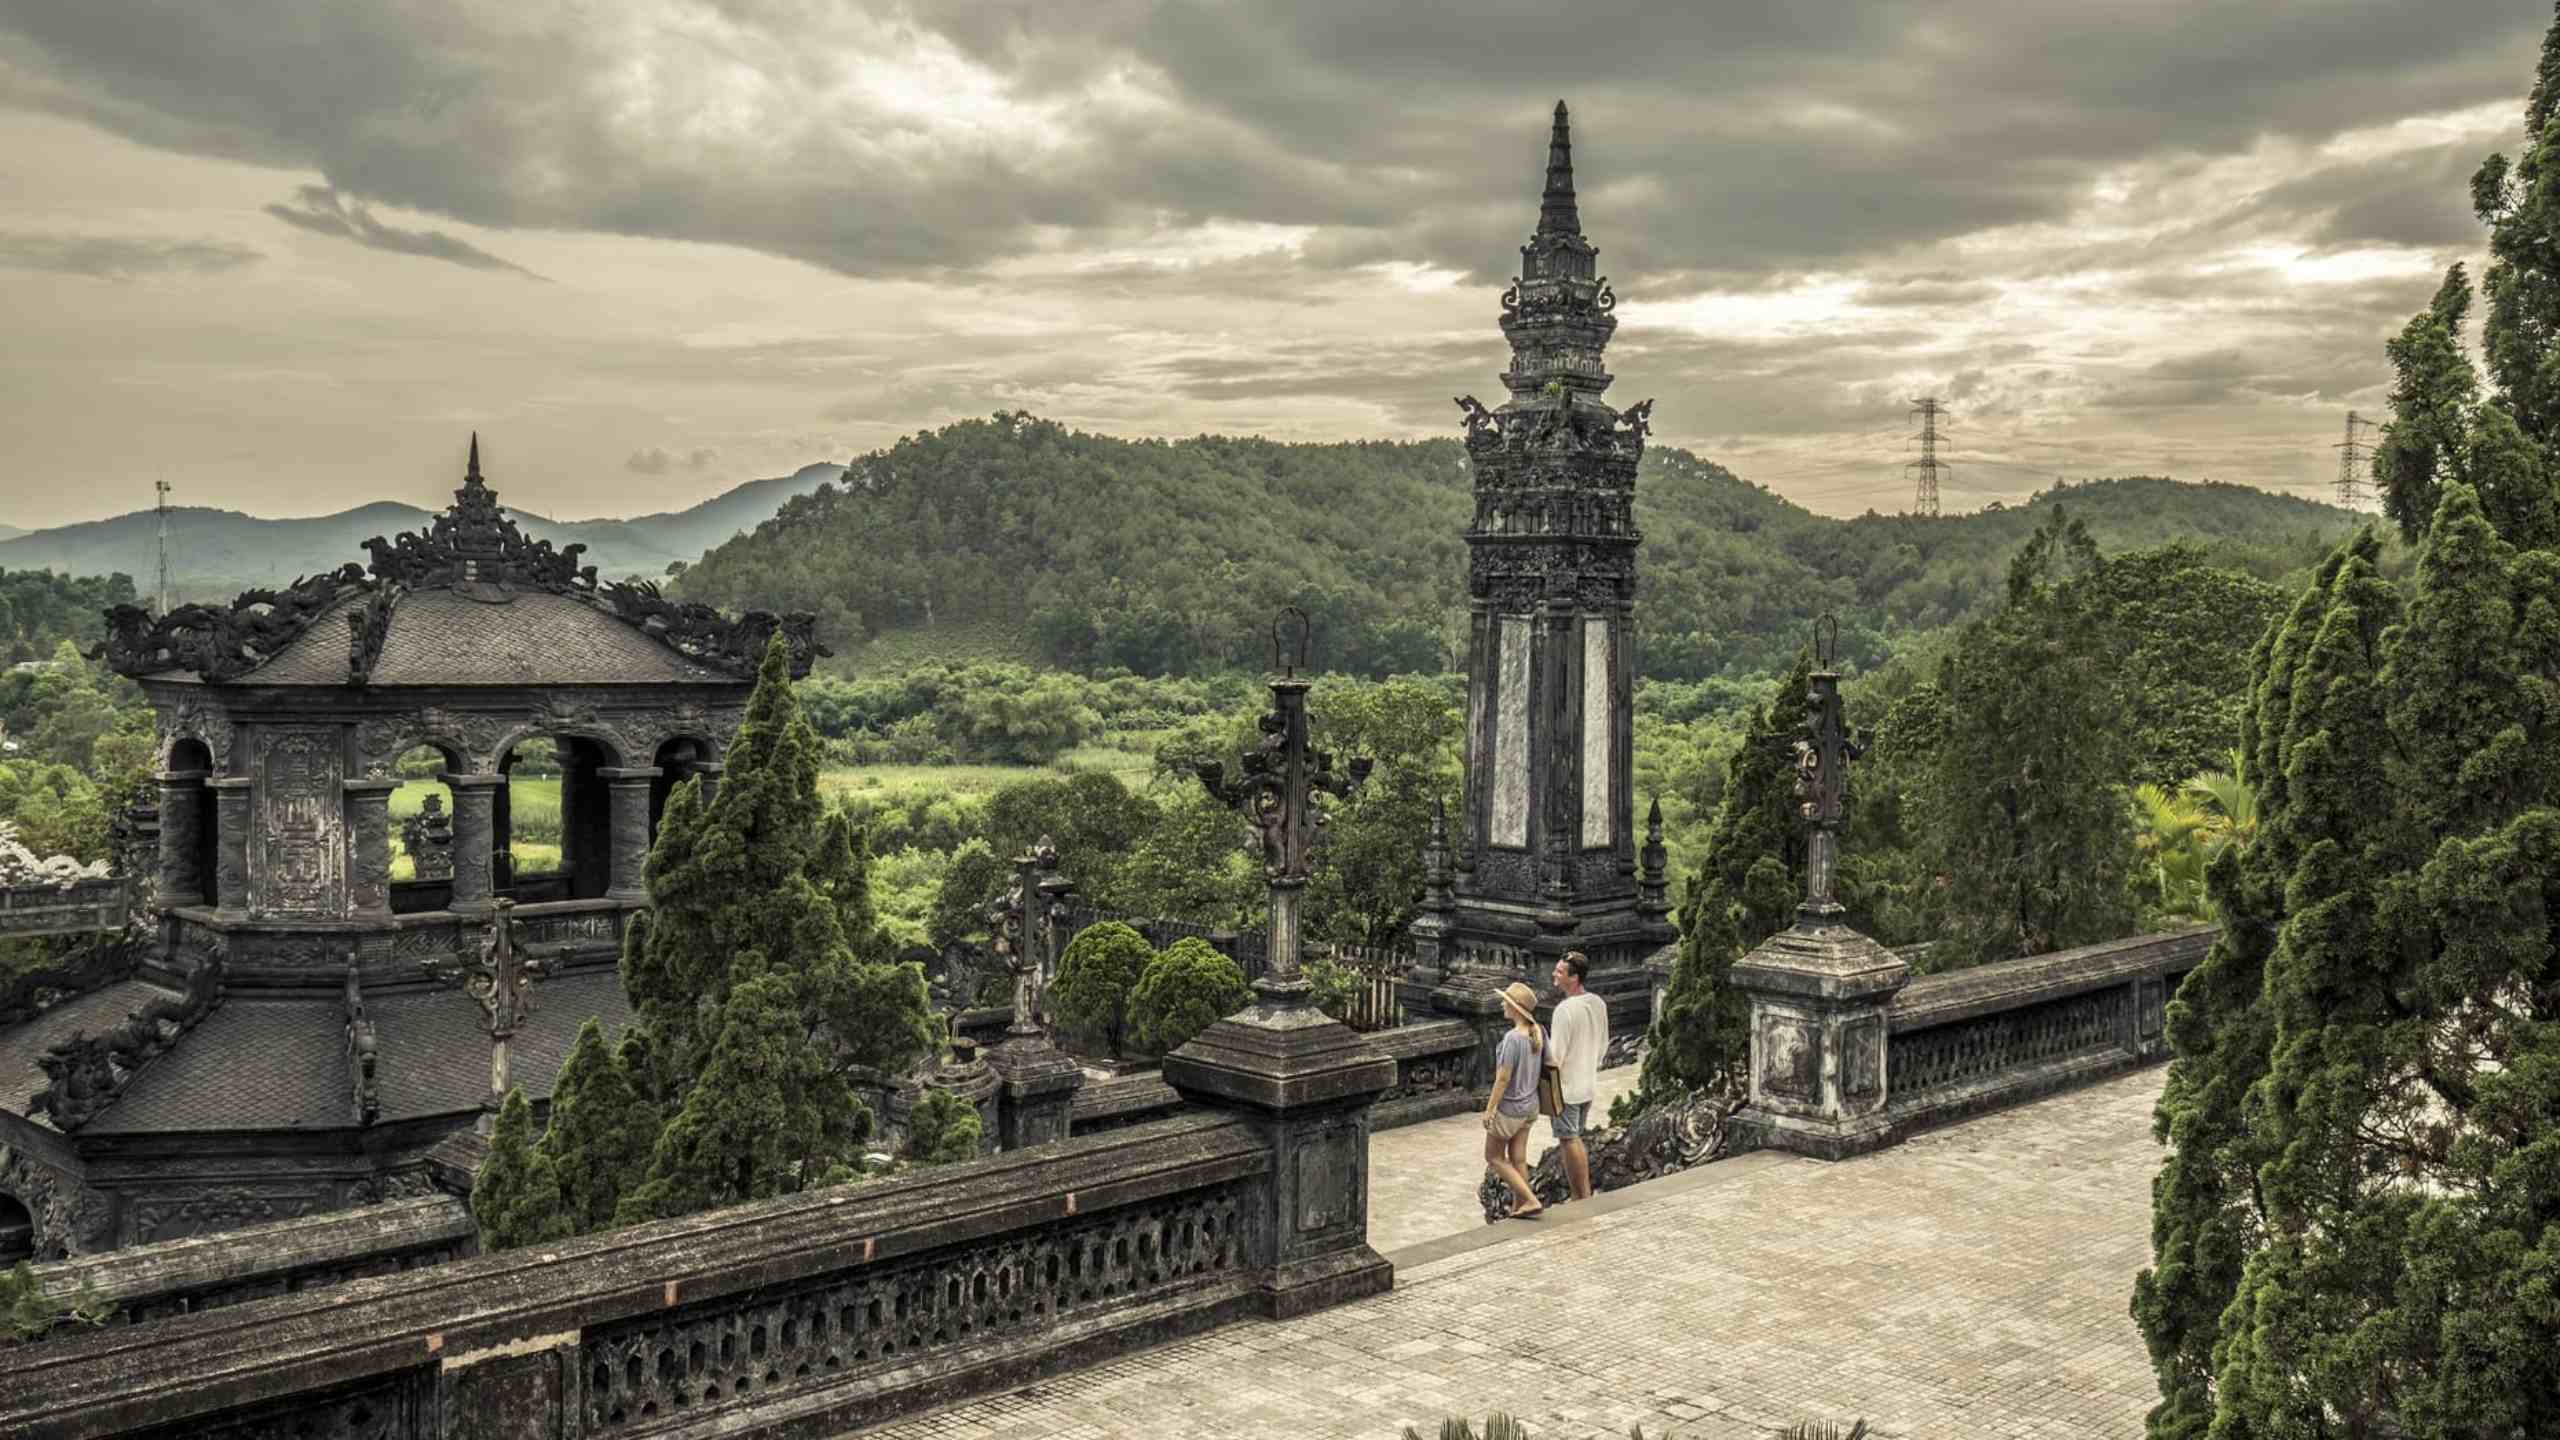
[1547,845]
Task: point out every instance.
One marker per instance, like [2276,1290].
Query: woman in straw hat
[1514,1101]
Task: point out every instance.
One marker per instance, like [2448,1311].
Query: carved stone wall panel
[387,1407]
[70,1218]
[1792,1063]
[1599,773]
[1510,825]
[509,1397]
[1328,1180]
[1862,1059]
[298,853]
[175,1215]
[737,1351]
[195,720]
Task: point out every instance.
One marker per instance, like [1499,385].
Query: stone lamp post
[1819,990]
[502,981]
[1302,1079]
[1037,1082]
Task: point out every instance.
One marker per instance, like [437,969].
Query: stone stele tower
[1545,855]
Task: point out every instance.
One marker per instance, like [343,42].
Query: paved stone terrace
[1971,1282]
[1423,1178]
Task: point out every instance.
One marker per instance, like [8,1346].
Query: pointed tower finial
[1556,212]
[473,473]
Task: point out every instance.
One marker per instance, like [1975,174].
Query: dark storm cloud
[121,257]
[1715,142]
[324,211]
[2419,198]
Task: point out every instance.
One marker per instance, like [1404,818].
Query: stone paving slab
[1970,1282]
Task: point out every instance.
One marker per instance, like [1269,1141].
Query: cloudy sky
[287,253]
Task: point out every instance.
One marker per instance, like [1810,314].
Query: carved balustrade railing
[80,907]
[180,1277]
[1974,1040]
[814,1313]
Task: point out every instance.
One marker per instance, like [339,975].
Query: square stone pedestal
[1819,995]
[1036,1091]
[1305,1082]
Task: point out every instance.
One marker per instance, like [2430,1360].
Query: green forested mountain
[1168,557]
[215,553]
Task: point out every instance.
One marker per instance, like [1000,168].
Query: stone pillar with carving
[474,837]
[1303,1080]
[369,828]
[231,843]
[1038,1081]
[183,799]
[627,791]
[1820,991]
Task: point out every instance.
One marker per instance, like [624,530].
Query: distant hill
[214,553]
[10,532]
[1171,556]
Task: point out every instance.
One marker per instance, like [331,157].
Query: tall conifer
[2398,1256]
[601,1131]
[516,1196]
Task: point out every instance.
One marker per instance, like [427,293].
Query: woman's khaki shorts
[1503,1127]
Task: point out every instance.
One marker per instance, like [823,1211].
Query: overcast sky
[286,254]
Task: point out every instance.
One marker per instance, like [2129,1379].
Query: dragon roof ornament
[474,548]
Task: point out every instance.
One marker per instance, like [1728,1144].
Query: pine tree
[601,1132]
[2398,1252]
[516,1196]
[1095,976]
[943,1129]
[2026,804]
[1744,892]
[752,999]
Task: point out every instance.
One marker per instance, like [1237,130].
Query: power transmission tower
[162,486]
[1925,502]
[2354,464]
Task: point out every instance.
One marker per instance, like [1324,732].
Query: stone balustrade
[808,1314]
[83,906]
[1997,1035]
[181,1277]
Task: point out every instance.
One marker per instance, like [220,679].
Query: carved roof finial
[473,473]
[1556,212]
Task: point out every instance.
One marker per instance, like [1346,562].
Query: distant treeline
[39,610]
[1169,557]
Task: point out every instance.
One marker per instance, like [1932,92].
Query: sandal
[1537,1214]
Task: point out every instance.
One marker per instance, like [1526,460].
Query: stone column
[627,791]
[231,843]
[1819,1000]
[710,771]
[369,830]
[474,834]
[182,821]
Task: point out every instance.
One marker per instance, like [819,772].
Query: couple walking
[1573,1052]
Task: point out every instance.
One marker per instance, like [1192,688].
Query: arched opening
[17,1231]
[197,819]
[677,760]
[552,826]
[421,832]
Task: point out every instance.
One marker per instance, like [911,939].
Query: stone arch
[381,743]
[677,756]
[541,727]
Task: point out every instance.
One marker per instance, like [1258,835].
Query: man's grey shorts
[1567,1124]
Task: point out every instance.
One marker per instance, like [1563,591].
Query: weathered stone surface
[183,1276]
[955,1247]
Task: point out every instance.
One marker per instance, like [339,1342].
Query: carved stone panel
[1511,736]
[1328,1181]
[2154,994]
[1862,1059]
[1598,732]
[298,853]
[1791,1058]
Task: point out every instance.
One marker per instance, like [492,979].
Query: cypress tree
[2026,804]
[1183,991]
[1744,892]
[752,1001]
[1095,976]
[601,1131]
[516,1196]
[2402,1272]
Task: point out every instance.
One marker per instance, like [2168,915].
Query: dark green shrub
[1102,965]
[1184,991]
[943,1128]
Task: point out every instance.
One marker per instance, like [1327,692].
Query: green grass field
[533,819]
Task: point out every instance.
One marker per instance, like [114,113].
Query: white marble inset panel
[1511,736]
[1599,729]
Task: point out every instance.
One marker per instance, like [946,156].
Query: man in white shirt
[1577,1037]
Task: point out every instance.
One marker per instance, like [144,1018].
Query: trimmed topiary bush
[1184,991]
[1095,977]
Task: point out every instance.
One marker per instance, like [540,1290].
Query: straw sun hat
[1521,1000]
